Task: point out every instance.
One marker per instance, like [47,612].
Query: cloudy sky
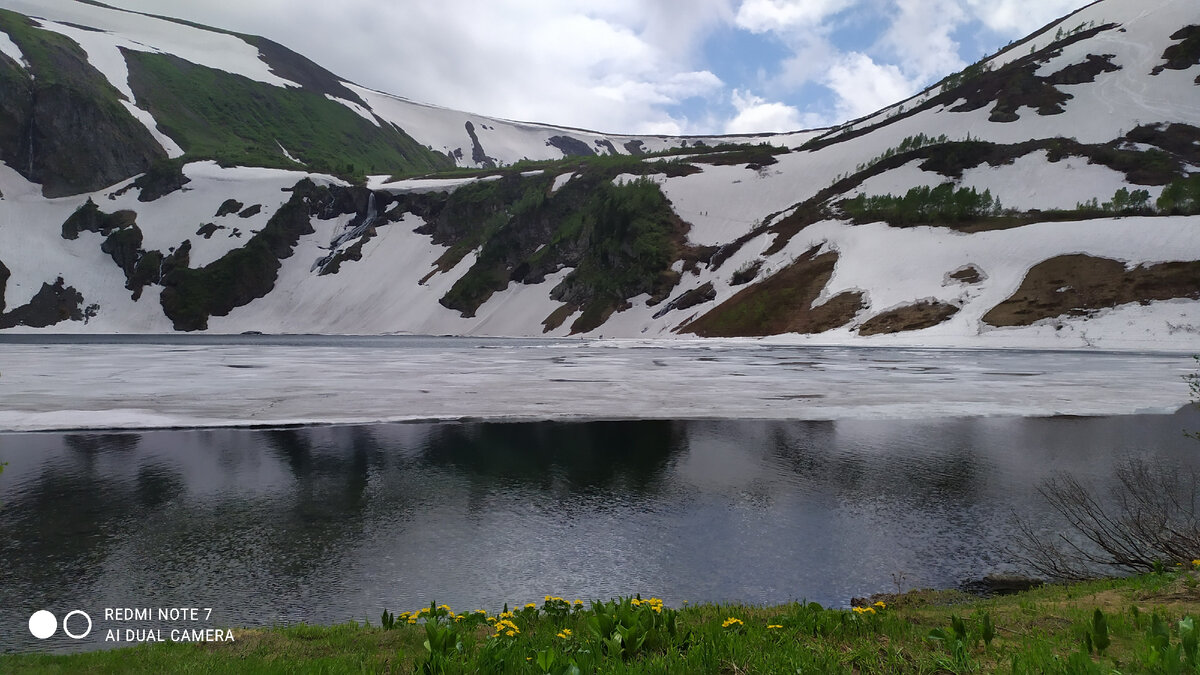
[638,66]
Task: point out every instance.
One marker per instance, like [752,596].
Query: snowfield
[148,382]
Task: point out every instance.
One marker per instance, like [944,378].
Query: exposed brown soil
[557,317]
[1076,285]
[909,317]
[969,274]
[782,303]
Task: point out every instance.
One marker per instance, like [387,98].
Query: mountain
[161,176]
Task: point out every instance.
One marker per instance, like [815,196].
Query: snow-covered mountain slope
[1045,197]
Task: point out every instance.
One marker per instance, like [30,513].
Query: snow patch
[358,109]
[12,51]
[561,180]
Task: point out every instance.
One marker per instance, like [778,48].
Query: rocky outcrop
[52,304]
[570,147]
[65,127]
[477,153]
[191,296]
[160,180]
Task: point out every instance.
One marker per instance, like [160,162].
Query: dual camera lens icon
[43,624]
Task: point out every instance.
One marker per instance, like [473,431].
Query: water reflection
[330,523]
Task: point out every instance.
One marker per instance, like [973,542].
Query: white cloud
[755,114]
[863,86]
[1018,18]
[921,38]
[611,65]
[628,65]
[760,16]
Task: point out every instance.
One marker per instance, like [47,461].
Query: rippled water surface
[325,524]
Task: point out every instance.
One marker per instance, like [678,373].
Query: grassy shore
[1135,625]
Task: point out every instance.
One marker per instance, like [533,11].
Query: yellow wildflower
[774,626]
[864,610]
[578,602]
[511,633]
[481,611]
[731,622]
[881,604]
[530,605]
[445,607]
[565,634]
[1196,563]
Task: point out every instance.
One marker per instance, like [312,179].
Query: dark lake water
[327,524]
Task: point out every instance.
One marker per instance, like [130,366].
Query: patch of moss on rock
[924,314]
[1079,285]
[782,303]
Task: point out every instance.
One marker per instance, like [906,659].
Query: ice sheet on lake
[347,380]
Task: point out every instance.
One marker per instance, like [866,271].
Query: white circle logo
[43,624]
[77,636]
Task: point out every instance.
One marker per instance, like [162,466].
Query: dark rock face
[89,218]
[635,148]
[607,144]
[161,179]
[4,275]
[477,154]
[250,211]
[123,241]
[291,66]
[50,305]
[570,147]
[689,299]
[229,206]
[191,296]
[65,128]
[1183,55]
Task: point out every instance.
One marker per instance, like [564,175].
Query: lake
[327,524]
[769,474]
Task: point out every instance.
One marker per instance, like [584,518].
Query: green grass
[1141,628]
[213,114]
